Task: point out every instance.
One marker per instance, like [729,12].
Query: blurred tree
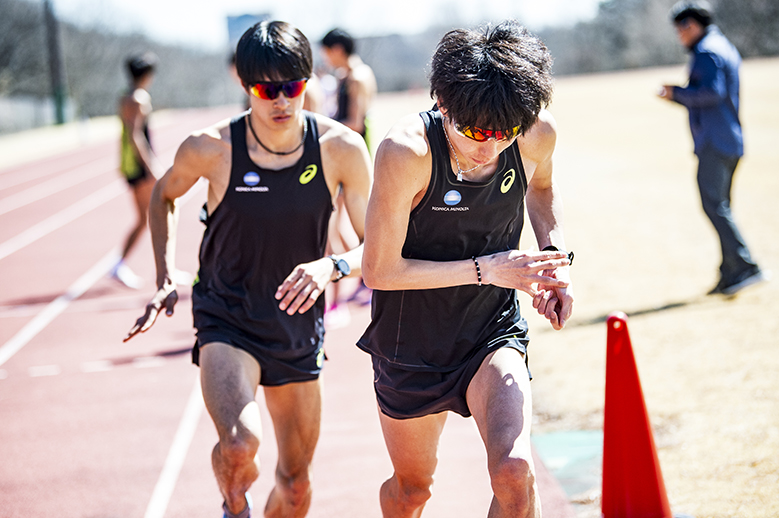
[624,34]
[23,64]
[752,25]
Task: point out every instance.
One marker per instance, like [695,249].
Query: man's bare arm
[545,210]
[197,157]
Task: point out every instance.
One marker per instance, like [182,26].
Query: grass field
[708,364]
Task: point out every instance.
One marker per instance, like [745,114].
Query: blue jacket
[711,95]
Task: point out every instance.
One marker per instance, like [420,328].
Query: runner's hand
[304,285]
[554,303]
[165,297]
[524,270]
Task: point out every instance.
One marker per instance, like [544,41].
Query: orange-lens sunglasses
[483,135]
[271,90]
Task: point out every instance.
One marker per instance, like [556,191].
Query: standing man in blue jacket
[711,96]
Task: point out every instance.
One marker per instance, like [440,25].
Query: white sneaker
[126,276]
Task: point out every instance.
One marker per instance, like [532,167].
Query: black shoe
[746,279]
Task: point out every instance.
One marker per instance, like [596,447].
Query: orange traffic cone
[632,482]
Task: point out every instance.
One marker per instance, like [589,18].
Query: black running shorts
[405,394]
[276,367]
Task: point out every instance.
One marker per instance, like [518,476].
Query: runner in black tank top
[440,329]
[258,302]
[243,259]
[442,256]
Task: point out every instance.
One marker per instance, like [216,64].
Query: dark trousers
[715,177]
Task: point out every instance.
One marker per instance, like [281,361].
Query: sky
[202,23]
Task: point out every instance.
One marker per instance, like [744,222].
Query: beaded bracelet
[478,270]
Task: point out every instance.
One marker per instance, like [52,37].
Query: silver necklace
[460,170]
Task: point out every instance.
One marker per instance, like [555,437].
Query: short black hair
[141,64]
[273,51]
[496,77]
[699,10]
[339,37]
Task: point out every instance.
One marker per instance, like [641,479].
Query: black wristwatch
[552,248]
[341,267]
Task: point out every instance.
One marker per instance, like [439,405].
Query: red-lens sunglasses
[271,90]
[483,135]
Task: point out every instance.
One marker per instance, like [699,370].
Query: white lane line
[176,455]
[97,366]
[78,288]
[44,370]
[45,189]
[62,218]
[25,178]
[145,362]
[57,306]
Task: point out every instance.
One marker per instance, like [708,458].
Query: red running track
[92,427]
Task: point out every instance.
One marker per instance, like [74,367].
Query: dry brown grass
[708,365]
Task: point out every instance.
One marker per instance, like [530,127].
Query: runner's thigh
[229,378]
[296,410]
[500,401]
[413,443]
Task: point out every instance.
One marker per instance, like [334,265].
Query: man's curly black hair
[497,77]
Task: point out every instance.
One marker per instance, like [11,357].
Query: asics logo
[308,174]
[508,181]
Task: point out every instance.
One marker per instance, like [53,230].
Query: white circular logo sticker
[251,178]
[452,197]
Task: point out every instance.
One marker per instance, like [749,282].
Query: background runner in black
[442,229]
[258,303]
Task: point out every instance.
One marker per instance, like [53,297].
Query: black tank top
[439,329]
[267,223]
[344,101]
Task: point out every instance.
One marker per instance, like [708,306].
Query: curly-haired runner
[442,232]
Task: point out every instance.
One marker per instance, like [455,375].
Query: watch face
[343,267]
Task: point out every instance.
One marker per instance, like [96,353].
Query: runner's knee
[296,487]
[413,493]
[512,482]
[239,447]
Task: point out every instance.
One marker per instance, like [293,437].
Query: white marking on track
[44,189]
[176,455]
[97,366]
[44,370]
[145,362]
[57,306]
[62,218]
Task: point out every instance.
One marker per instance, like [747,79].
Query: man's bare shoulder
[364,74]
[206,146]
[406,140]
[538,143]
[336,137]
[140,97]
[403,160]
